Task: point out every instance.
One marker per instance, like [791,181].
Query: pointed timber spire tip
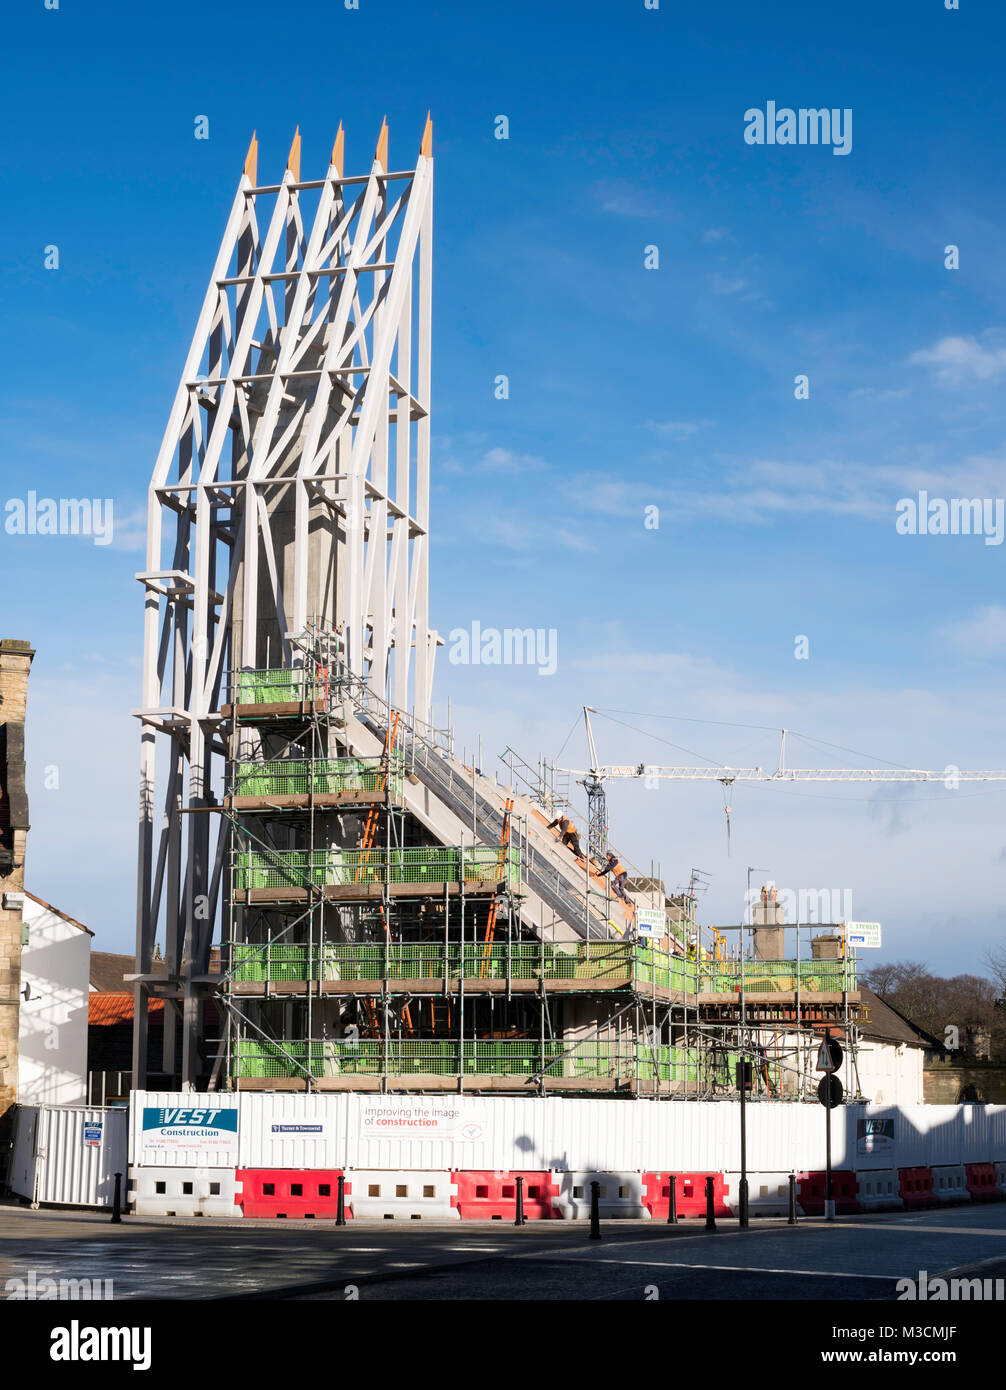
[382,145]
[251,160]
[426,148]
[338,151]
[293,158]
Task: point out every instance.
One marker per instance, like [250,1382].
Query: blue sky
[629,388]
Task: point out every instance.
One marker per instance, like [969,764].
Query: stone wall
[15,663]
[943,1083]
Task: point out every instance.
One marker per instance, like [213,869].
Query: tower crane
[594,778]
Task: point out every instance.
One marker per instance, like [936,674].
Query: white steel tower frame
[291,488]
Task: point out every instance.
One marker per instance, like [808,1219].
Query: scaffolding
[363,953]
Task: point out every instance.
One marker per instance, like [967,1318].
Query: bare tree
[995,961]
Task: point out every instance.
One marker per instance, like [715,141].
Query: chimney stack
[767,916]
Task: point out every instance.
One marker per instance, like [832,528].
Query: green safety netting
[292,776]
[517,1057]
[278,686]
[600,961]
[347,867]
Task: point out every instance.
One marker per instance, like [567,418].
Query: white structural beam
[291,489]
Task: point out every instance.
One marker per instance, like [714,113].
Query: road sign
[829,1057]
[863,934]
[829,1091]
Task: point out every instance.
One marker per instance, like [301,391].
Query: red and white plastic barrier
[293,1192]
[950,1183]
[493,1196]
[768,1193]
[620,1196]
[382,1194]
[689,1194]
[917,1187]
[1001,1176]
[183,1191]
[879,1189]
[483,1195]
[983,1182]
[812,1187]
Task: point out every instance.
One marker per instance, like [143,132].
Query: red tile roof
[107,1008]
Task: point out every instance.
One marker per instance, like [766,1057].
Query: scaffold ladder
[374,814]
[501,853]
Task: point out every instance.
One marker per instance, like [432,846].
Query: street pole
[829,1204]
[744,1138]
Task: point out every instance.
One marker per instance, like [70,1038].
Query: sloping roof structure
[65,916]
[884,1023]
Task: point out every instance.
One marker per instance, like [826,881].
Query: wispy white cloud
[129,528]
[675,429]
[624,199]
[726,284]
[496,460]
[759,491]
[981,635]
[522,534]
[957,361]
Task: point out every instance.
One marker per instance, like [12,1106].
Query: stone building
[15,663]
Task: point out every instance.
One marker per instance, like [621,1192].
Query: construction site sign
[866,934]
[421,1118]
[875,1136]
[651,921]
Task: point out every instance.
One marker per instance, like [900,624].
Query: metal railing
[778,976]
[618,962]
[333,683]
[591,1061]
[322,868]
[299,776]
[431,960]
[277,685]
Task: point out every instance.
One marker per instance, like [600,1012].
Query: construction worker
[568,833]
[618,877]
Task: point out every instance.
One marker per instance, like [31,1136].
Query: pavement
[852,1258]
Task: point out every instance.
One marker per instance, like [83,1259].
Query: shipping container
[68,1155]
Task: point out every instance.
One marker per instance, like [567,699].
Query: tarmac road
[168,1258]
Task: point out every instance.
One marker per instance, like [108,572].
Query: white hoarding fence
[514,1134]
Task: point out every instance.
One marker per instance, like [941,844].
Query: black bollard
[520,1201]
[117,1199]
[672,1200]
[792,1200]
[710,1205]
[340,1209]
[743,1203]
[595,1210]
